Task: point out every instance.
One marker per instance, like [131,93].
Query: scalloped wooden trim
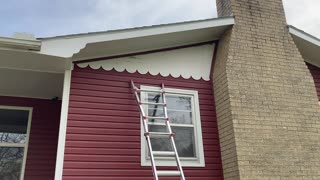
[192,62]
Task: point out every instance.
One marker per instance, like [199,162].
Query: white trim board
[63,125]
[26,145]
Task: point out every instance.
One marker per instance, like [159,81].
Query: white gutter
[20,44]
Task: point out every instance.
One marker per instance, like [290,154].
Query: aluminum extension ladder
[148,135]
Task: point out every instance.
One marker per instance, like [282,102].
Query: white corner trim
[63,125]
[22,44]
[303,35]
[189,62]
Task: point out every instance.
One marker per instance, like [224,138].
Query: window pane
[10,163]
[174,102]
[154,98]
[178,102]
[12,138]
[159,144]
[13,125]
[184,139]
[156,113]
[179,117]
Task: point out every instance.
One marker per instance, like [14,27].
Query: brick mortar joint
[218,77]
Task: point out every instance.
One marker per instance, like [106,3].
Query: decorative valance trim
[192,62]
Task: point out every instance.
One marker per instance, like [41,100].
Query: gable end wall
[103,131]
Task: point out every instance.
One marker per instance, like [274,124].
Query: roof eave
[200,23]
[308,45]
[306,36]
[157,36]
[20,44]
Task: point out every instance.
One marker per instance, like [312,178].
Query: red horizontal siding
[41,157]
[103,130]
[315,72]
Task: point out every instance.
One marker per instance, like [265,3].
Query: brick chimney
[267,107]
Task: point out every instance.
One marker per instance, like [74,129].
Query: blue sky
[45,18]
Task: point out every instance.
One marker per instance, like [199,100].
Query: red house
[233,91]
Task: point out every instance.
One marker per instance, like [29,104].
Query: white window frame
[199,161]
[26,144]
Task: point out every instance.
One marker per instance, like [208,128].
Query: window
[184,114]
[14,136]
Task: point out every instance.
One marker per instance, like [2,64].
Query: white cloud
[304,15]
[59,17]
[110,14]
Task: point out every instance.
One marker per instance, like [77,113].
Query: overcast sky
[45,18]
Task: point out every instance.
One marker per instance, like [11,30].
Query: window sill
[184,163]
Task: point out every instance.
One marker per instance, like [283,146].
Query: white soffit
[26,60]
[189,62]
[32,84]
[110,43]
[308,45]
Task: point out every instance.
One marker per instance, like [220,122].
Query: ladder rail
[154,169]
[144,119]
[173,144]
[146,129]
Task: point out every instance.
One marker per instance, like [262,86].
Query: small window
[14,136]
[183,111]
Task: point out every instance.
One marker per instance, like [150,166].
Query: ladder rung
[164,153]
[153,117]
[159,134]
[149,90]
[150,103]
[168,173]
